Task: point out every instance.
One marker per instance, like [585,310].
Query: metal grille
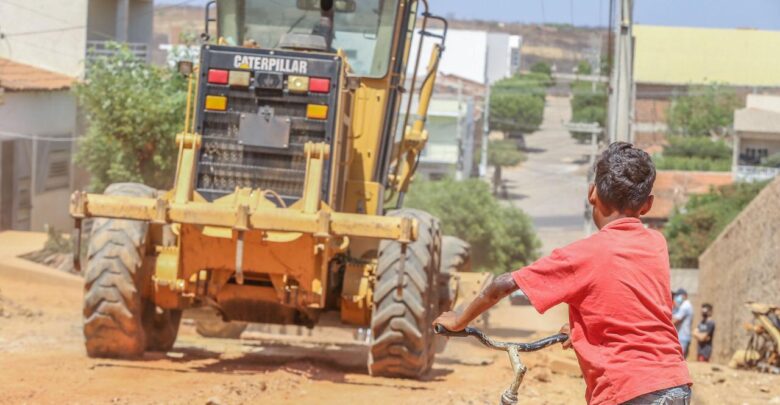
[225,164]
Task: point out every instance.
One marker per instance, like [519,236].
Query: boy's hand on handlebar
[567,330]
[449,320]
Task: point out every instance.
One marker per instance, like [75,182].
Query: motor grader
[292,148]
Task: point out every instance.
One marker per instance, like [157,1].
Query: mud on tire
[403,343]
[118,321]
[217,328]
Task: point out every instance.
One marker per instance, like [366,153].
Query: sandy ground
[42,359]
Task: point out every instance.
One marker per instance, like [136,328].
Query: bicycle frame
[509,396]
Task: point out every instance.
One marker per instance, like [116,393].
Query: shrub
[504,153]
[502,238]
[691,164]
[772,160]
[691,230]
[542,67]
[588,106]
[705,110]
[134,111]
[694,153]
[584,68]
[697,146]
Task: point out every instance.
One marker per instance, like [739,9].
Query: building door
[15,185]
[6,184]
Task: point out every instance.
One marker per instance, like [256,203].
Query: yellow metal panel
[364,197]
[216,103]
[681,55]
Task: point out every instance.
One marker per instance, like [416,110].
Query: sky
[761,14]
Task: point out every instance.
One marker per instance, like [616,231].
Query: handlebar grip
[439,329]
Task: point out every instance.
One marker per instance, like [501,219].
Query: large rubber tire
[455,257]
[403,341]
[118,321]
[217,328]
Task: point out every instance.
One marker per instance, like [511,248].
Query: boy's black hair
[707,305]
[624,177]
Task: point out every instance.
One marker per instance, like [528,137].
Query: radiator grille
[225,164]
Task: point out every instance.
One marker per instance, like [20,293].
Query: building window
[54,165]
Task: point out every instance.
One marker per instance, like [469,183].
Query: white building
[757,136]
[45,46]
[475,59]
[57,35]
[37,126]
[479,56]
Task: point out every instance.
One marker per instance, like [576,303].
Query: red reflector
[319,85]
[217,76]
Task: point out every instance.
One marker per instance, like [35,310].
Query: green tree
[588,105]
[502,238]
[584,68]
[134,111]
[517,104]
[692,229]
[502,153]
[542,67]
[705,111]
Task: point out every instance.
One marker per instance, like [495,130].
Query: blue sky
[761,14]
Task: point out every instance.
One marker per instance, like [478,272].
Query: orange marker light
[316,112]
[216,103]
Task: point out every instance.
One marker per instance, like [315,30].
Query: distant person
[616,283]
[683,319]
[704,333]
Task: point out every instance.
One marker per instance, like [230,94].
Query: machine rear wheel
[118,321]
[403,340]
[455,257]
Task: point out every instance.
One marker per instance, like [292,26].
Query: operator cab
[363,31]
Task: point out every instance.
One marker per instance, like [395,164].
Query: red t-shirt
[616,283]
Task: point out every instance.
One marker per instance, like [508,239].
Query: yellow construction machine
[291,151]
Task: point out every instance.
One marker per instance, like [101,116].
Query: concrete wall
[50,34]
[742,265]
[141,22]
[49,114]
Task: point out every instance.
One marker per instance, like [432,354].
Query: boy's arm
[499,288]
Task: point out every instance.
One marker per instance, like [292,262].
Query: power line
[38,137]
[19,34]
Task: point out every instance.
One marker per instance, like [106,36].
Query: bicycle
[509,396]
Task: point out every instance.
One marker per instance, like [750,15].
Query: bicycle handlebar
[493,344]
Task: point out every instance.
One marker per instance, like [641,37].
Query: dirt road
[42,360]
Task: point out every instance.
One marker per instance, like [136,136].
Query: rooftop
[672,189]
[16,76]
[761,115]
[682,55]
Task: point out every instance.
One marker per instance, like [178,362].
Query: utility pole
[595,131]
[622,80]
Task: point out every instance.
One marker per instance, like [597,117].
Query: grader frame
[253,256]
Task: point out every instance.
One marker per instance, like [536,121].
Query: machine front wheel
[406,301]
[118,320]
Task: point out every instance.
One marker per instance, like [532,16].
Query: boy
[704,332]
[682,318]
[616,283]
